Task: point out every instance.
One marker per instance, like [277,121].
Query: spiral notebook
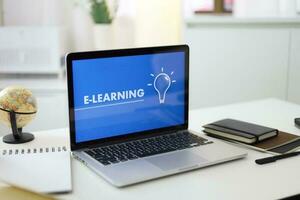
[42,165]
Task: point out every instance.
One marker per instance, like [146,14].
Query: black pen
[266,160]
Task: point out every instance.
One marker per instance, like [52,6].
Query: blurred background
[241,50]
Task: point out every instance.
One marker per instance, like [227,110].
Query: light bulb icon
[161,84]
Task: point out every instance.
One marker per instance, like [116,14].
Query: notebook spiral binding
[33,150]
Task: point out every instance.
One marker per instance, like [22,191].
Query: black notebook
[240,131]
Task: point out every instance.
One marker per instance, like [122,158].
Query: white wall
[294,68]
[1,12]
[41,13]
[158,22]
[232,65]
[139,23]
[234,60]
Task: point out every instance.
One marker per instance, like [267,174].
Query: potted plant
[103,36]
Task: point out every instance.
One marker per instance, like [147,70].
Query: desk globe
[17,108]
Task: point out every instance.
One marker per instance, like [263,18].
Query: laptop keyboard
[146,147]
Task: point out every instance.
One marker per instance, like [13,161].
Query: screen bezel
[119,53]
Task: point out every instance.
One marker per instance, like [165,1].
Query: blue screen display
[121,95]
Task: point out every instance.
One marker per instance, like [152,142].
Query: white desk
[241,179]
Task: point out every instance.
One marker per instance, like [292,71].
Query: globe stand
[17,136]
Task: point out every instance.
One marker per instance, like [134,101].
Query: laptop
[128,115]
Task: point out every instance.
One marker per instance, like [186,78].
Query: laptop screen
[116,96]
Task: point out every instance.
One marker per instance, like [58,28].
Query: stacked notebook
[255,136]
[42,165]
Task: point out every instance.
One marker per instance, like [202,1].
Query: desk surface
[241,179]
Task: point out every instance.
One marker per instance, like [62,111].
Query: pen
[266,160]
[297,122]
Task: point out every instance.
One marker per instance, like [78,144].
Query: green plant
[100,12]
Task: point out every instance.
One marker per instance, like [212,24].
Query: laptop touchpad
[176,160]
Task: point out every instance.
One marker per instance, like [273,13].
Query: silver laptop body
[141,168]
